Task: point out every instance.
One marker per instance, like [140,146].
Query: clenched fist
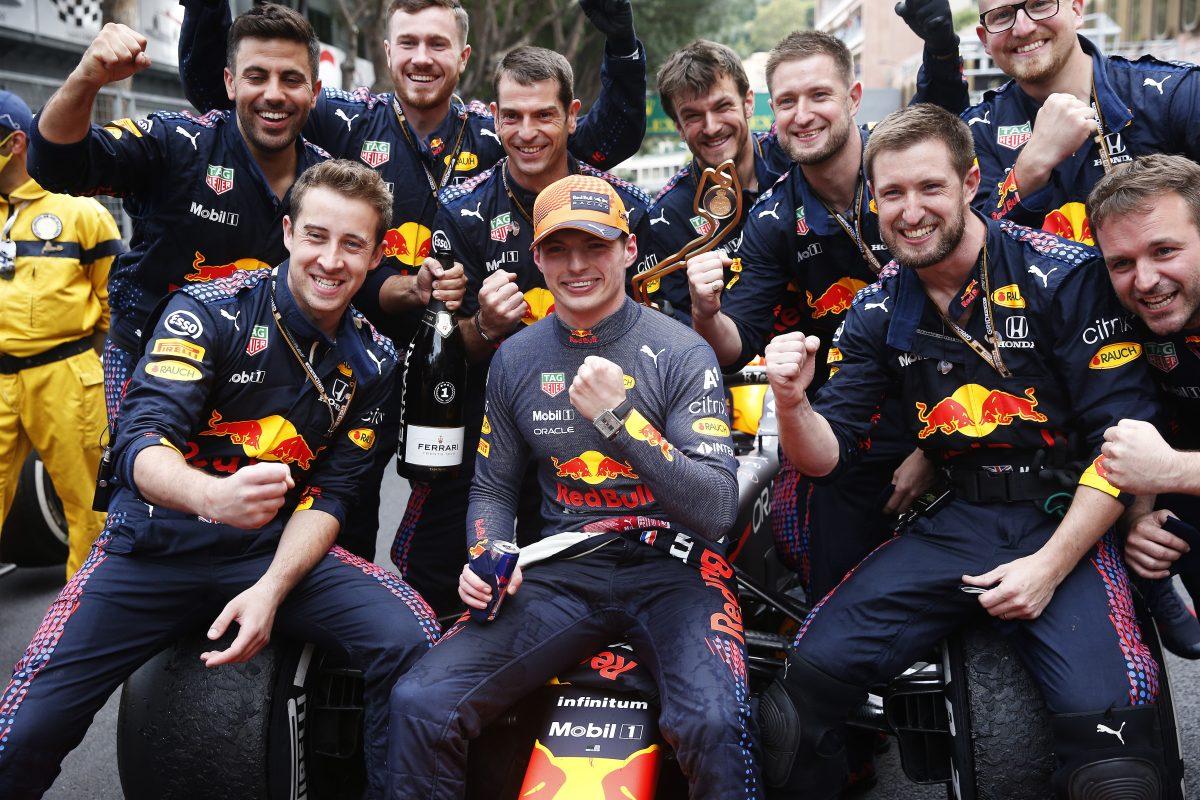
[117,53]
[706,280]
[1063,124]
[501,304]
[1138,460]
[598,385]
[791,360]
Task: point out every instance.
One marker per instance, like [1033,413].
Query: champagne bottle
[431,399]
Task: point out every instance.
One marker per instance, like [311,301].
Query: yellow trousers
[58,410]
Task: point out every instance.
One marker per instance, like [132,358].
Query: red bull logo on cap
[409,243]
[593,467]
[1070,221]
[211,272]
[976,411]
[270,438]
[836,299]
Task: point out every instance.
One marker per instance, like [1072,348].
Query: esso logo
[184,323]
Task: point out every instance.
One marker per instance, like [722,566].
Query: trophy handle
[718,202]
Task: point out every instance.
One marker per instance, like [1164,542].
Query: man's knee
[1111,755]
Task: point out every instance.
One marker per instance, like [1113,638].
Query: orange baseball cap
[583,203]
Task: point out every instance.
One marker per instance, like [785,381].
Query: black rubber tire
[1002,744]
[186,732]
[35,530]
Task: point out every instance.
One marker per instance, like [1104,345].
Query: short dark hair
[349,179]
[798,45]
[413,6]
[272,21]
[694,69]
[919,123]
[1132,188]
[528,65]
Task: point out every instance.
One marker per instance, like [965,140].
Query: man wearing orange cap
[638,490]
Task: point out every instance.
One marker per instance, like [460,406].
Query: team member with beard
[1146,219]
[1067,117]
[933,332]
[705,92]
[1036,135]
[490,226]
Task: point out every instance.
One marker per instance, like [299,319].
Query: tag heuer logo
[801,223]
[1162,356]
[502,226]
[1013,136]
[375,153]
[258,340]
[219,179]
[554,382]
[700,224]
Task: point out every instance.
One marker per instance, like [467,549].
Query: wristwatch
[611,419]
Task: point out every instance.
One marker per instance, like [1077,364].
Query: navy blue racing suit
[797,267]
[1074,372]
[1146,106]
[487,231]
[632,546]
[219,384]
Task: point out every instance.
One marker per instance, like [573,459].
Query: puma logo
[653,355]
[1156,84]
[984,119]
[770,212]
[191,137]
[232,318]
[1045,276]
[342,115]
[1102,728]
[881,304]
[468,213]
[486,132]
[662,217]
[378,363]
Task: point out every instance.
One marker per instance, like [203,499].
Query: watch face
[608,424]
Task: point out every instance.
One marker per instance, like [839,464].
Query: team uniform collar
[28,191]
[349,346]
[911,297]
[443,136]
[236,142]
[606,332]
[762,170]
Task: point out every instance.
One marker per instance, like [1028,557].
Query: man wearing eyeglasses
[1069,115]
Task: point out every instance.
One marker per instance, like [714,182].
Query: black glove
[933,22]
[613,18]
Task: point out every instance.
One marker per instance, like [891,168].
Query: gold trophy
[719,203]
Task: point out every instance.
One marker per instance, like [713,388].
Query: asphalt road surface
[91,770]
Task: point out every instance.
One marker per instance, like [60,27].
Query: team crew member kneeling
[246,429]
[988,334]
[644,467]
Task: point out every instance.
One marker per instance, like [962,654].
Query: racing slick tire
[1000,727]
[250,731]
[35,530]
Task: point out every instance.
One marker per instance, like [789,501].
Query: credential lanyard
[335,417]
[990,354]
[855,231]
[434,184]
[1101,139]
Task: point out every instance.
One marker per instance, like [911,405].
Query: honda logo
[1016,328]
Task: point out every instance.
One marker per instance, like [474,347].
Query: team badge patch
[219,179]
[375,154]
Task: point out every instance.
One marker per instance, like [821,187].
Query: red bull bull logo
[551,777]
[211,272]
[593,467]
[408,244]
[1008,196]
[836,299]
[1070,221]
[270,438]
[976,411]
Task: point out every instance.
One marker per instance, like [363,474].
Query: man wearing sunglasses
[1070,115]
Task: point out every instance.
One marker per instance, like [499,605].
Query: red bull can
[496,566]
